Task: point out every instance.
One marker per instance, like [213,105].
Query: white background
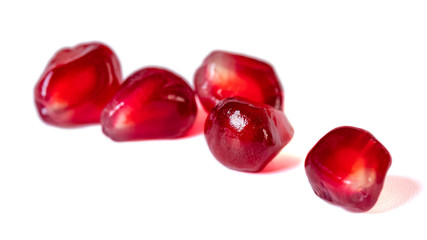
[359,63]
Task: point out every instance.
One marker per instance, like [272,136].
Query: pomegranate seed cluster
[245,129]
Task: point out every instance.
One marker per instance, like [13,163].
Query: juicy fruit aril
[152,103]
[224,75]
[245,129]
[77,83]
[245,135]
[347,167]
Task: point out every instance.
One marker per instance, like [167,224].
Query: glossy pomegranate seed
[245,135]
[77,83]
[347,167]
[224,75]
[152,103]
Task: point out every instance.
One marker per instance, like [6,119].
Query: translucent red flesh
[244,135]
[76,85]
[152,103]
[224,75]
[347,167]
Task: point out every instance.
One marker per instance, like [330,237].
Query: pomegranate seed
[244,135]
[224,75]
[152,103]
[77,83]
[347,167]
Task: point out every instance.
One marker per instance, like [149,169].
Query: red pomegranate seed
[152,103]
[224,75]
[77,83]
[347,167]
[245,135]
